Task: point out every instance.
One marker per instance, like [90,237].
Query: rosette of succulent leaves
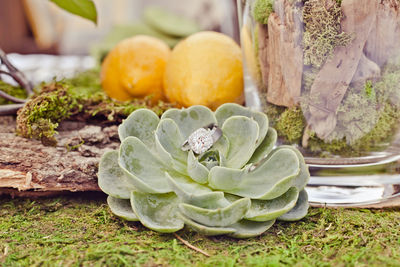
[239,187]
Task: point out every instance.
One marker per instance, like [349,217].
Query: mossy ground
[81,231]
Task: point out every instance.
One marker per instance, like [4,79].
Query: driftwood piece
[366,70]
[263,52]
[336,74]
[383,42]
[27,168]
[285,55]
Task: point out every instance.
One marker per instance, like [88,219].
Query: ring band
[202,139]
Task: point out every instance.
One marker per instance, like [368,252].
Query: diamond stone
[201,140]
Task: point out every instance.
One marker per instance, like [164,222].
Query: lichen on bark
[322,31]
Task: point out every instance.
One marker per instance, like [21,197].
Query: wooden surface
[27,168]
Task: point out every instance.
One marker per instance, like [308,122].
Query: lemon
[134,68]
[205,69]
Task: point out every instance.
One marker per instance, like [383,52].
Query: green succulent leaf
[217,217]
[111,178]
[211,159]
[169,23]
[299,211]
[157,211]
[227,178]
[192,193]
[304,175]
[122,208]
[197,171]
[228,110]
[168,146]
[142,124]
[246,229]
[222,145]
[265,147]
[272,178]
[264,210]
[242,134]
[171,139]
[191,119]
[145,170]
[206,230]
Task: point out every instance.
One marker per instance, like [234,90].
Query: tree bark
[28,168]
[285,55]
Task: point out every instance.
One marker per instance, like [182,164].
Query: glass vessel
[327,74]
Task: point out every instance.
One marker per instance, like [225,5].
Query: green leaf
[299,211]
[226,178]
[171,139]
[217,217]
[242,134]
[222,145]
[211,159]
[168,145]
[190,119]
[169,23]
[122,208]
[145,170]
[141,123]
[246,229]
[157,211]
[83,8]
[264,210]
[111,178]
[304,176]
[192,193]
[228,110]
[265,147]
[272,178]
[197,171]
[206,230]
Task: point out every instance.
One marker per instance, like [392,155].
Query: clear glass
[327,74]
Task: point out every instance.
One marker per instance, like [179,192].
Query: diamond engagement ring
[202,139]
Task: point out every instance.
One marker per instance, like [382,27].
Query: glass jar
[327,74]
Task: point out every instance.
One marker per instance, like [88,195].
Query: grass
[79,230]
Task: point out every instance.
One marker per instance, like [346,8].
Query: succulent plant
[238,187]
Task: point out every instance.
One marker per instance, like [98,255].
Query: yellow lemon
[205,69]
[134,68]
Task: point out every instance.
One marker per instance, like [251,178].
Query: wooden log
[383,42]
[335,76]
[285,55]
[29,168]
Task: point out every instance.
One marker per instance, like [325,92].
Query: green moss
[80,97]
[291,125]
[79,230]
[40,116]
[262,9]
[375,140]
[322,31]
[15,91]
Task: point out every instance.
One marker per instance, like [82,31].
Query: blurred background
[33,31]
[39,26]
